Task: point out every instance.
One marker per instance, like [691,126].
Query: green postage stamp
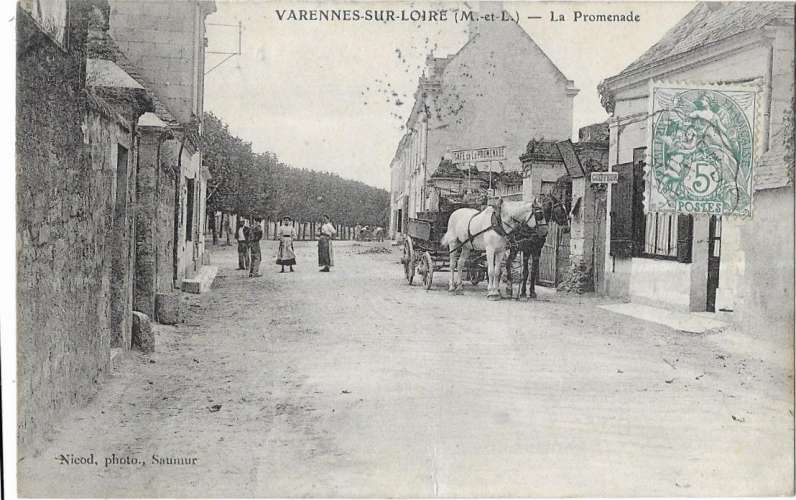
[702,149]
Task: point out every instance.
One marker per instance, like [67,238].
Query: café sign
[604,177]
[479,155]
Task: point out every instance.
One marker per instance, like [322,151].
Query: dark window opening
[636,234]
[189,206]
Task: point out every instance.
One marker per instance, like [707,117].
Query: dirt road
[352,383]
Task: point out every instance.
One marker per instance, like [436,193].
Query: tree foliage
[249,183]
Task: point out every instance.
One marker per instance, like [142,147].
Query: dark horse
[530,242]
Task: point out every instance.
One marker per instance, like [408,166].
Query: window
[636,234]
[189,201]
[660,235]
[121,180]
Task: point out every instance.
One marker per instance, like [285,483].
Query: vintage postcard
[401,249]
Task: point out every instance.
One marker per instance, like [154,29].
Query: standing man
[325,249]
[255,235]
[242,236]
[357,230]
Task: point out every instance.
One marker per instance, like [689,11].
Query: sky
[319,94]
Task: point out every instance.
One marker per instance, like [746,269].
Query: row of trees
[258,184]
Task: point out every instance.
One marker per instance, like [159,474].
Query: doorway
[714,260]
[120,254]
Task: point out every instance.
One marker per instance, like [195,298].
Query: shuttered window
[622,212]
[685,237]
[636,234]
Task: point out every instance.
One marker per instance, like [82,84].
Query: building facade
[499,89]
[741,267]
[76,151]
[572,256]
[86,119]
[166,41]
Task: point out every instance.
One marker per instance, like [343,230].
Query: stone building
[165,41]
[89,125]
[573,256]
[740,268]
[76,151]
[499,89]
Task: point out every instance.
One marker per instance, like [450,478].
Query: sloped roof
[711,22]
[102,46]
[104,73]
[438,65]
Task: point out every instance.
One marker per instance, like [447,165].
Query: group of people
[363,233]
[249,253]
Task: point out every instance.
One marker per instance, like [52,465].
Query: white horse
[469,229]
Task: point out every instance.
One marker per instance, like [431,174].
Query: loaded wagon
[423,254]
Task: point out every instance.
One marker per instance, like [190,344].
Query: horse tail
[448,238]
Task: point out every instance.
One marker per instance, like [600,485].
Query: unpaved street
[352,383]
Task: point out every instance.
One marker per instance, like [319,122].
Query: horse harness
[497,224]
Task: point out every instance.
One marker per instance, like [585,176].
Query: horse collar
[497,223]
[522,224]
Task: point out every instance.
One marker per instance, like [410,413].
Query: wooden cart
[423,254]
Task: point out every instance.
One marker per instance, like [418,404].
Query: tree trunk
[213,228]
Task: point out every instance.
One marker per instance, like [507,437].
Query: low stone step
[202,281]
[143,335]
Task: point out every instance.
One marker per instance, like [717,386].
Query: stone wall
[154,221]
[154,271]
[65,201]
[164,231]
[105,137]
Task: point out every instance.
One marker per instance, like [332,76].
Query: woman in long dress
[325,249]
[286,233]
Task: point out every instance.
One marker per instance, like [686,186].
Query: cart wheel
[409,261]
[429,274]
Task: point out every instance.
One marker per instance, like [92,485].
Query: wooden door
[548,262]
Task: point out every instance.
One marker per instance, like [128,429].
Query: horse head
[520,217]
[554,210]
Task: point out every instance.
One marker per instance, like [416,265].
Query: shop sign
[604,177]
[497,153]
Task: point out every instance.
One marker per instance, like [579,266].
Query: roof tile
[711,22]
